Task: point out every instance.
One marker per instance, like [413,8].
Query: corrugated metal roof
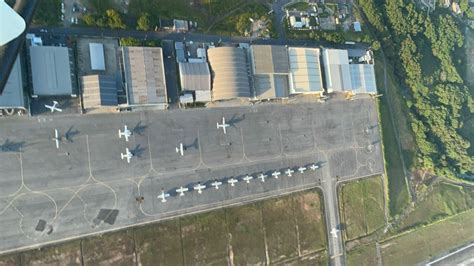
[230,73]
[336,68]
[305,69]
[363,78]
[51,70]
[195,76]
[96,51]
[145,76]
[269,59]
[99,90]
[13,96]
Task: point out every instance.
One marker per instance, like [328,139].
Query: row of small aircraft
[232,181]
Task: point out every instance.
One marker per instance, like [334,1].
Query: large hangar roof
[269,59]
[336,68]
[230,72]
[96,51]
[51,70]
[195,76]
[99,90]
[363,78]
[305,70]
[13,96]
[145,75]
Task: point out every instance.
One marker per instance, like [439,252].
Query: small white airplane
[163,195]
[334,232]
[180,149]
[199,188]
[126,133]
[232,181]
[223,125]
[289,172]
[314,167]
[181,190]
[247,179]
[262,177]
[276,174]
[127,155]
[302,169]
[53,107]
[216,184]
[56,138]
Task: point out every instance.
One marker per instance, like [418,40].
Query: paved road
[461,256]
[83,188]
[277,7]
[197,37]
[169,59]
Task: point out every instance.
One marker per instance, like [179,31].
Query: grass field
[110,249]
[365,255]
[159,245]
[290,230]
[429,241]
[445,200]
[397,186]
[246,234]
[67,254]
[310,222]
[205,239]
[362,207]
[280,228]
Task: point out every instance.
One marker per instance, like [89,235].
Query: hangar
[144,77]
[363,78]
[305,70]
[98,91]
[13,96]
[270,68]
[230,73]
[50,70]
[196,77]
[337,72]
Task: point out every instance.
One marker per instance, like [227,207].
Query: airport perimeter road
[176,36]
[85,187]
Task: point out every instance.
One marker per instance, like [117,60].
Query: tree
[89,19]
[129,41]
[114,20]
[143,22]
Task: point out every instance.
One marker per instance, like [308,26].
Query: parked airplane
[127,155]
[181,190]
[56,138]
[334,232]
[180,149]
[216,184]
[314,167]
[126,133]
[247,179]
[53,107]
[289,172]
[276,174]
[302,169]
[199,188]
[223,125]
[262,177]
[232,181]
[163,195]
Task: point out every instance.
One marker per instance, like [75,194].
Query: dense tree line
[438,103]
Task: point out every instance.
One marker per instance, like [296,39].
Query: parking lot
[84,187]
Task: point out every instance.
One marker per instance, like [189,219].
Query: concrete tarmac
[84,187]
